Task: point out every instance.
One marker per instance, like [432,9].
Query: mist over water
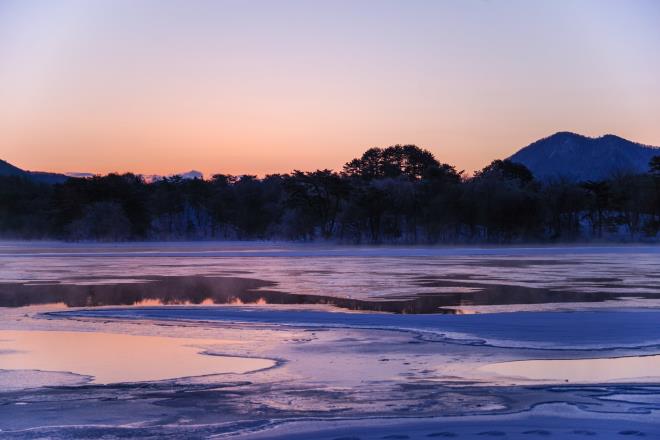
[397,280]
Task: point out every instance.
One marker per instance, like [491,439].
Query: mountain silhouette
[563,155]
[192,174]
[7,169]
[581,158]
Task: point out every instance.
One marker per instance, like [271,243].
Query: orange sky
[160,87]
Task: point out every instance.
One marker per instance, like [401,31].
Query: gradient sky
[246,86]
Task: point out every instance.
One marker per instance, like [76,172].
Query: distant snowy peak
[192,174]
[79,175]
[577,157]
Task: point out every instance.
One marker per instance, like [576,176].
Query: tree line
[399,194]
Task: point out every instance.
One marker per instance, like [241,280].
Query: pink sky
[258,87]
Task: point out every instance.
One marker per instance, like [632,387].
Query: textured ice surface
[11,380]
[559,330]
[347,375]
[353,272]
[554,420]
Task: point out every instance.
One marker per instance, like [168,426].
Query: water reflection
[631,368]
[198,290]
[113,358]
[207,290]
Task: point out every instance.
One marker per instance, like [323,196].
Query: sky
[257,87]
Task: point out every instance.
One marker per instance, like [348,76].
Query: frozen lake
[198,340]
[403,280]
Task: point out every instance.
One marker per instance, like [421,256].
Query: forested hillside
[576,157]
[399,194]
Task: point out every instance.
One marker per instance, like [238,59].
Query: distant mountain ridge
[561,155]
[192,174]
[577,157]
[7,169]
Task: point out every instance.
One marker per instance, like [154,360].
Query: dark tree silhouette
[318,198]
[505,169]
[654,165]
[398,194]
[600,199]
[397,160]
